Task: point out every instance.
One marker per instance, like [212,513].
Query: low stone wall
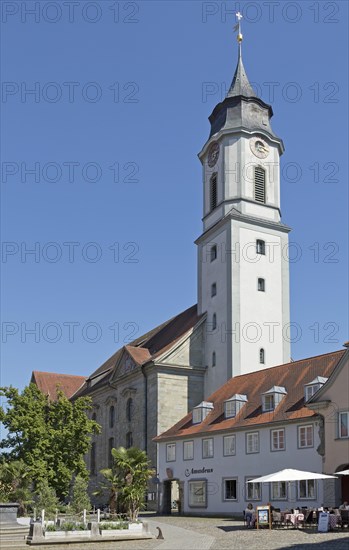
[95,533]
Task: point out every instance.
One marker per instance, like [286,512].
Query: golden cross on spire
[238,27]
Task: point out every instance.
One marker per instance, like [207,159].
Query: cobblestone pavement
[190,533]
[184,533]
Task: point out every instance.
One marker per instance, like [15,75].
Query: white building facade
[254,425]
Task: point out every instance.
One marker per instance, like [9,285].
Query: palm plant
[127,480]
[15,484]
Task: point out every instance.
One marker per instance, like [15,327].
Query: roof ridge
[59,374]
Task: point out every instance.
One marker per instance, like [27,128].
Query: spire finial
[238,28]
[240,85]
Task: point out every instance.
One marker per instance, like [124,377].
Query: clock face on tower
[213,154]
[259,147]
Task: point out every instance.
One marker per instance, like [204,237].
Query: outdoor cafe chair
[344,518]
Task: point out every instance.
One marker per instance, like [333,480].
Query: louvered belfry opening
[213,191]
[259,184]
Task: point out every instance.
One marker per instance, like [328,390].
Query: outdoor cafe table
[295,519]
[334,519]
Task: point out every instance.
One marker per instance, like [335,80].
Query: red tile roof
[49,382]
[293,376]
[147,347]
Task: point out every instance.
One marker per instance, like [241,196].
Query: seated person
[250,515]
[344,506]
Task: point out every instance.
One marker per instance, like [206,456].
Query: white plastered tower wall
[247,320]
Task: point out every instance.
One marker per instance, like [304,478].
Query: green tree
[51,437]
[128,479]
[46,499]
[80,500]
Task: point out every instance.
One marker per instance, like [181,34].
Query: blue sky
[122,95]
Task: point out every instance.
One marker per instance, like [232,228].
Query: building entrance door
[171,497]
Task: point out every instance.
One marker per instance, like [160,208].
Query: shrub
[72,526]
[114,525]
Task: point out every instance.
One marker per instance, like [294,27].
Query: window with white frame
[170,452]
[197,494]
[207,448]
[253,490]
[273,397]
[229,445]
[307,489]
[343,426]
[278,490]
[201,411]
[233,405]
[305,436]
[252,442]
[313,387]
[310,390]
[188,450]
[230,489]
[213,253]
[268,402]
[277,439]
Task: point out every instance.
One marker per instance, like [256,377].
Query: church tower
[243,271]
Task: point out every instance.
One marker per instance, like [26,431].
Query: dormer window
[201,411]
[233,405]
[313,386]
[272,398]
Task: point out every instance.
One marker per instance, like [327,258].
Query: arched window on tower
[259,184]
[94,417]
[261,356]
[213,191]
[213,359]
[111,416]
[214,321]
[129,409]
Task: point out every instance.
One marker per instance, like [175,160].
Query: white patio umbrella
[290,475]
[343,473]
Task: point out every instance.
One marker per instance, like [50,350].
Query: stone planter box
[67,534]
[132,528]
[135,527]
